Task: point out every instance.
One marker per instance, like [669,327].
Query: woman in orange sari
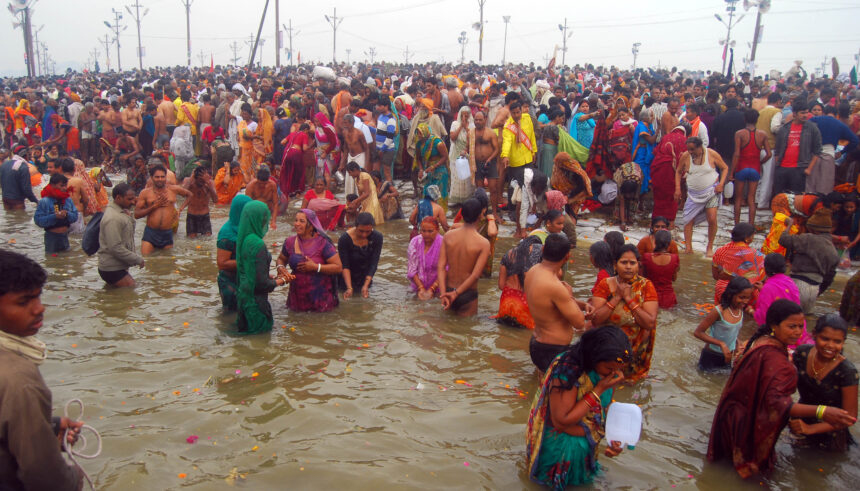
[629,301]
[263,136]
[247,130]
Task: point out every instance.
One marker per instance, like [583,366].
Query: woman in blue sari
[644,140]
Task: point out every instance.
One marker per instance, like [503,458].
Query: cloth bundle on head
[555,200]
[820,222]
[432,192]
[428,103]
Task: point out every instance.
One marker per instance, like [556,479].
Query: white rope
[72,453]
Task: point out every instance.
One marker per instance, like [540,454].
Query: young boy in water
[30,451]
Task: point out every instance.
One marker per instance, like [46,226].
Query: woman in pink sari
[423,255]
[778,285]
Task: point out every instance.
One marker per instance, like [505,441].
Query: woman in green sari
[252,261]
[226,256]
[432,162]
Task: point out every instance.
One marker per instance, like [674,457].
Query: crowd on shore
[480,148]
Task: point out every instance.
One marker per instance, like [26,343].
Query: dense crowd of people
[481,147]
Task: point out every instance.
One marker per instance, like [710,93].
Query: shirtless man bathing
[462,259]
[486,153]
[203,192]
[555,312]
[354,149]
[158,205]
[264,189]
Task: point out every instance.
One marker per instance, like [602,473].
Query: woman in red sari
[666,157]
[756,402]
[321,201]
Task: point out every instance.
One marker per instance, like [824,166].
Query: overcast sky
[673,33]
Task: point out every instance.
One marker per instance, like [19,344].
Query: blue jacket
[832,130]
[15,183]
[46,218]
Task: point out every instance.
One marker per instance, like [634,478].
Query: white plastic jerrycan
[624,424]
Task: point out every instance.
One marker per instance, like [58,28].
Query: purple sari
[311,292]
[423,264]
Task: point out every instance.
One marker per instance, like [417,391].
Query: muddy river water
[386,392]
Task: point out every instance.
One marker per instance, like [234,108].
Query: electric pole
[187,4]
[39,65]
[23,9]
[762,6]
[95,55]
[727,43]
[406,54]
[106,42]
[44,57]
[137,17]
[290,35]
[334,21]
[259,41]
[278,34]
[202,57]
[507,19]
[116,27]
[481,32]
[235,48]
[370,53]
[635,51]
[462,40]
[348,51]
[564,37]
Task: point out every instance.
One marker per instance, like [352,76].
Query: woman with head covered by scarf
[252,266]
[327,145]
[314,261]
[226,255]
[568,416]
[432,162]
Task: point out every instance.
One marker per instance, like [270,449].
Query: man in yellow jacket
[518,144]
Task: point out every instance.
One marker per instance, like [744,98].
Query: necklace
[736,314]
[814,370]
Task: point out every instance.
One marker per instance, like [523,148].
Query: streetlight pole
[115,26]
[507,19]
[564,36]
[635,53]
[730,8]
[187,5]
[334,21]
[462,40]
[481,35]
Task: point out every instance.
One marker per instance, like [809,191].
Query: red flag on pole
[211,63]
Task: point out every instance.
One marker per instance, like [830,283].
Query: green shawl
[230,230]
[252,228]
[566,143]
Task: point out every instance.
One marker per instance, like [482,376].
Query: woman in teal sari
[567,418]
[252,261]
[226,258]
[432,162]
